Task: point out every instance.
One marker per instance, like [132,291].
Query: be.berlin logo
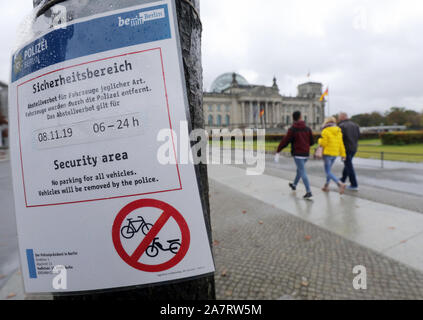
[141,18]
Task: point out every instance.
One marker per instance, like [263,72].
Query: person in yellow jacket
[333,147]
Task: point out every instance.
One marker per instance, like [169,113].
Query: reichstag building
[234,103]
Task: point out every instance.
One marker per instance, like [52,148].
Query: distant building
[4,111]
[382,128]
[234,103]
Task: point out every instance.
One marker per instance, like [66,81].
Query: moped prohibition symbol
[153,248]
[131,228]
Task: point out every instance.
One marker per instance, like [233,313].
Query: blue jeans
[301,173]
[329,161]
[349,170]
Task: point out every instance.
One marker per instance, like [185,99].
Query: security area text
[77,76]
[88,160]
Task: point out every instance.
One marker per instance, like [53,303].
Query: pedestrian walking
[301,138]
[333,147]
[350,135]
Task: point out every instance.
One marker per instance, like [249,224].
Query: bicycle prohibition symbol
[125,227]
[133,226]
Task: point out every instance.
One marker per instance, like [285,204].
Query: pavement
[397,184]
[269,243]
[9,260]
[11,282]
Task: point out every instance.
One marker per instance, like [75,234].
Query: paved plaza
[269,243]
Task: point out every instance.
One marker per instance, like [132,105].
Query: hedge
[369,136]
[317,135]
[279,137]
[401,138]
[272,137]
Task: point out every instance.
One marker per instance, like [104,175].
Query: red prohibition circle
[168,212]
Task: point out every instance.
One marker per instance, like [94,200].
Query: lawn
[374,148]
[371,149]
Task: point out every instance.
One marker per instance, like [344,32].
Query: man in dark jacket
[350,134]
[301,138]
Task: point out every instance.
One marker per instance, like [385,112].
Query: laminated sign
[94,205]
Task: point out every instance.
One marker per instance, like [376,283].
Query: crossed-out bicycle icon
[134,226]
[131,228]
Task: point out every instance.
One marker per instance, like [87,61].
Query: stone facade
[237,104]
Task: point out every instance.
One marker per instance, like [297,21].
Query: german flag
[261,113]
[326,93]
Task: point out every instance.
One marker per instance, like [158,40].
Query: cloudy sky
[369,53]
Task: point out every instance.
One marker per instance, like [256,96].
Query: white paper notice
[86,105]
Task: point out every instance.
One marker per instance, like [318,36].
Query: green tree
[369,119]
[403,116]
[413,119]
[396,116]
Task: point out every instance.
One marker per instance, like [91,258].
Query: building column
[251,113]
[267,113]
[256,110]
[259,106]
[247,113]
[238,118]
[270,116]
[278,112]
[243,113]
[257,117]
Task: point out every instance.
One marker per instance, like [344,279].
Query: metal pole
[190,29]
[382,157]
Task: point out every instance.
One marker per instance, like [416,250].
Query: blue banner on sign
[94,36]
[31,263]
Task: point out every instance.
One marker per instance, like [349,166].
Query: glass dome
[224,81]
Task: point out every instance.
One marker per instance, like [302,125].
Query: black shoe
[351,188]
[292,186]
[308,196]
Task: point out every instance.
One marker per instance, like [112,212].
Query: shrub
[402,138]
[369,135]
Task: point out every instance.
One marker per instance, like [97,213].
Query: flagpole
[322,99]
[328,103]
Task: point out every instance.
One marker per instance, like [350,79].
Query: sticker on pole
[150,235]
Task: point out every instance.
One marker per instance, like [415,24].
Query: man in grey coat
[351,134]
